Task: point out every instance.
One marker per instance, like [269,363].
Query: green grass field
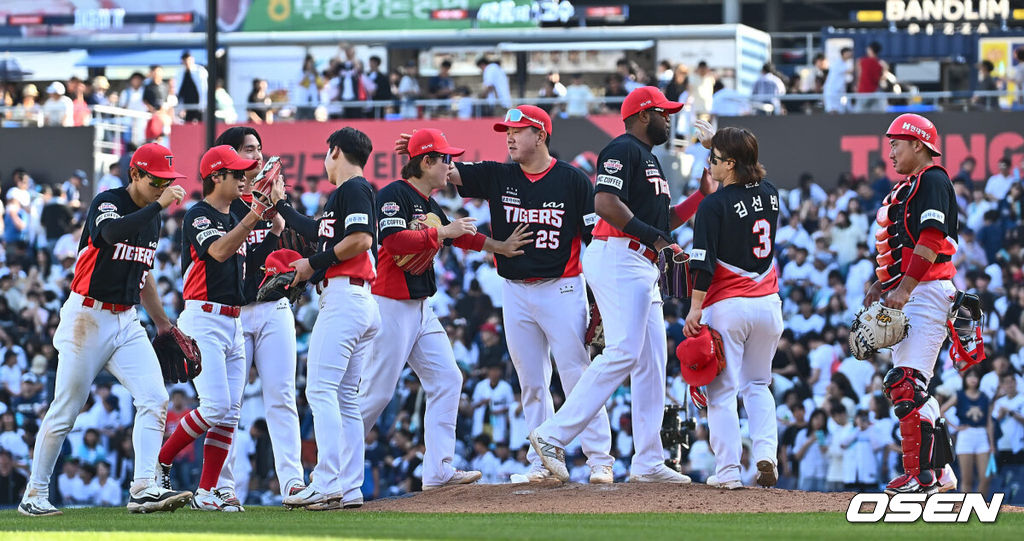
[274,523]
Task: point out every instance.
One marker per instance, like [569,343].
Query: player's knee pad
[905,389]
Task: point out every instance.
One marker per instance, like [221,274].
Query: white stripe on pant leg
[433,361]
[528,349]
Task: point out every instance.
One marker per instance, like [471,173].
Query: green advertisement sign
[306,15]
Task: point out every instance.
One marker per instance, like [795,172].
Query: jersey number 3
[763,230]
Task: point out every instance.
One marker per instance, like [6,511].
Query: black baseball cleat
[155,499]
[38,506]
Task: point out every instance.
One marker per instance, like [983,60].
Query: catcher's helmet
[911,126]
[964,323]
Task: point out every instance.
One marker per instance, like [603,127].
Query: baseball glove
[674,280]
[595,330]
[417,264]
[292,240]
[877,327]
[279,286]
[179,356]
[262,186]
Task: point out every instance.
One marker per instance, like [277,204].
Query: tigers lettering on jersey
[350,208]
[628,169]
[256,251]
[559,208]
[734,241]
[205,278]
[402,206]
[103,270]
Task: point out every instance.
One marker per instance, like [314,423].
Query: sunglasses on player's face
[515,115]
[237,175]
[715,159]
[158,182]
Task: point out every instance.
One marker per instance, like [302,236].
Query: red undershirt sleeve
[411,241]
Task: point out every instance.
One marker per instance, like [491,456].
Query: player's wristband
[647,234]
[918,267]
[323,260]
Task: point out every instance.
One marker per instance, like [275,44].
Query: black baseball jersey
[259,243]
[207,279]
[401,204]
[350,209]
[557,203]
[734,241]
[628,169]
[110,273]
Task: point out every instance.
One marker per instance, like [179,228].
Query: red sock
[191,426]
[215,452]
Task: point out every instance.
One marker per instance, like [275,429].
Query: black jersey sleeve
[395,210]
[356,205]
[614,167]
[934,204]
[706,235]
[588,218]
[200,230]
[112,219]
[302,224]
[479,179]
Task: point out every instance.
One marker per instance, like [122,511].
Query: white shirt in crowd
[814,463]
[1013,430]
[489,466]
[501,94]
[821,358]
[109,493]
[998,185]
[861,464]
[498,399]
[577,100]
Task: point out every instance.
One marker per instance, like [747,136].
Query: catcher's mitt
[595,330]
[179,356]
[417,264]
[674,280]
[262,186]
[292,240]
[277,283]
[877,327]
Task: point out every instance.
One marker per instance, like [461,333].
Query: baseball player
[543,293]
[339,345]
[411,331]
[213,270]
[99,328]
[269,332]
[634,205]
[917,240]
[735,292]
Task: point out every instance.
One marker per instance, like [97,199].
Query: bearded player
[916,242]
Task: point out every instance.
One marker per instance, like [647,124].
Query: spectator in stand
[1018,74]
[310,86]
[28,112]
[12,482]
[860,444]
[409,90]
[72,188]
[870,69]
[110,180]
[578,97]
[192,88]
[81,116]
[1008,411]
[96,91]
[16,220]
[811,445]
[613,89]
[492,398]
[155,93]
[442,86]
[678,86]
[987,83]
[495,88]
[974,432]
[258,103]
[132,98]
[381,84]
[768,87]
[58,110]
[56,216]
[808,190]
[702,89]
[108,493]
[998,184]
[966,172]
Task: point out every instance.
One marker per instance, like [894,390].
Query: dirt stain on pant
[85,326]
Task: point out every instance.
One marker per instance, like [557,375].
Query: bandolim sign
[946,10]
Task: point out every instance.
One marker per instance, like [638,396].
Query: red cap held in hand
[701,357]
[279,261]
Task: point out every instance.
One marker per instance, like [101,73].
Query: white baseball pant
[625,285]
[542,319]
[222,379]
[87,341]
[750,329]
[268,329]
[339,347]
[411,333]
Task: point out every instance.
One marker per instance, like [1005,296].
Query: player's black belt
[637,247]
[90,302]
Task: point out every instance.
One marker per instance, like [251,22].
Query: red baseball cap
[223,157]
[525,116]
[431,140]
[648,97]
[278,262]
[701,357]
[157,160]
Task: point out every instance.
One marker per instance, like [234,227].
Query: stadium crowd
[837,431]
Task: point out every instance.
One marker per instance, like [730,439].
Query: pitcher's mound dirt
[554,497]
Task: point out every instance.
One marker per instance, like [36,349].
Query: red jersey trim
[85,267]
[391,282]
[415,189]
[359,266]
[573,266]
[534,177]
[729,281]
[605,229]
[195,279]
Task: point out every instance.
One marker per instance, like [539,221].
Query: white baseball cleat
[207,500]
[37,505]
[551,455]
[601,475]
[228,495]
[535,474]
[767,473]
[458,478]
[728,485]
[335,504]
[308,496]
[947,479]
[155,498]
[663,474]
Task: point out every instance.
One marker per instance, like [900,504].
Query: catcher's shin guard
[905,389]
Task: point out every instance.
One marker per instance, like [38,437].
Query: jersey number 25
[763,230]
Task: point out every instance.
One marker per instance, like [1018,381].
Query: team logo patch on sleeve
[107,207]
[612,166]
[201,222]
[609,180]
[357,218]
[698,255]
[389,208]
[392,222]
[590,219]
[933,214]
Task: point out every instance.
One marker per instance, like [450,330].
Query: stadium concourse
[825,259]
